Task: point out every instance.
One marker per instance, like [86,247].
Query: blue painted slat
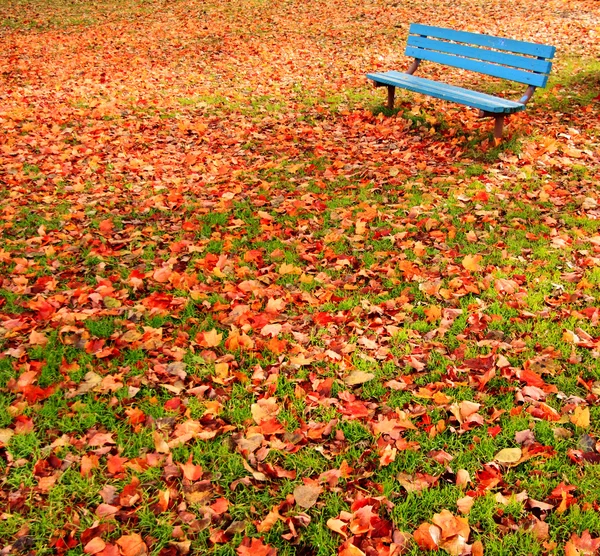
[510,45]
[443,91]
[465,94]
[513,60]
[535,79]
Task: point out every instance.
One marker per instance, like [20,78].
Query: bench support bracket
[498,121]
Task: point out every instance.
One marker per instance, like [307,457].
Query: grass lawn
[245,310]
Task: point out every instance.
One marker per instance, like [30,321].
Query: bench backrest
[524,62]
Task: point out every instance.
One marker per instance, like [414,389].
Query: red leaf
[255,547]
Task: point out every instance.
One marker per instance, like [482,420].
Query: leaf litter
[239,308]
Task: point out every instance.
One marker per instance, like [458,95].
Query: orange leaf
[190,471]
[272,518]
[87,464]
[427,536]
[94,546]
[338,526]
[209,339]
[114,464]
[132,545]
[162,274]
[255,547]
[37,339]
[106,226]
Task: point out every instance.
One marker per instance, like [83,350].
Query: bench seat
[485,102]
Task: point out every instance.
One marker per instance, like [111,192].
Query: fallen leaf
[94,546]
[132,545]
[581,417]
[471,262]
[358,377]
[509,455]
[338,526]
[306,495]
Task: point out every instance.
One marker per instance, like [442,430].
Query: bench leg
[498,125]
[391,92]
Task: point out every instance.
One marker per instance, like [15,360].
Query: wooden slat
[499,43]
[535,79]
[431,85]
[513,60]
[443,91]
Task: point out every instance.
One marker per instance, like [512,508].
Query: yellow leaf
[286,268]
[581,417]
[509,455]
[471,262]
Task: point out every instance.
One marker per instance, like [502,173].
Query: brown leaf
[160,445]
[306,495]
[358,377]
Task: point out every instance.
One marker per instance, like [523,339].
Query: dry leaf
[94,546]
[471,262]
[306,495]
[581,417]
[509,456]
[465,504]
[358,377]
[338,526]
[132,545]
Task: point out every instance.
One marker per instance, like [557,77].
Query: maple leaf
[106,226]
[582,546]
[114,464]
[209,339]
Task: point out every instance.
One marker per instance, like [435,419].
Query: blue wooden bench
[523,62]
